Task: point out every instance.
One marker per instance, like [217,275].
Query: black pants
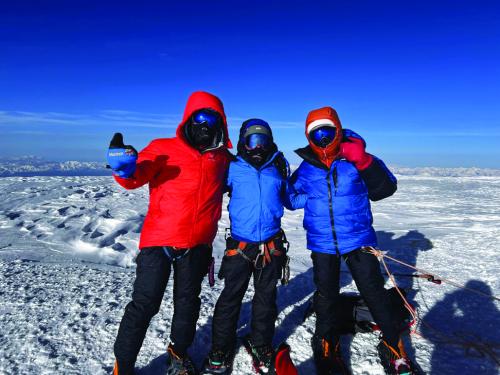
[236,271]
[153,271]
[365,270]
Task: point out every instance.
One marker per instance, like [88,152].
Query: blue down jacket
[256,199]
[336,201]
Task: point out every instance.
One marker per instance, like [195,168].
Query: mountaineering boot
[327,356]
[178,365]
[394,360]
[262,356]
[123,369]
[218,362]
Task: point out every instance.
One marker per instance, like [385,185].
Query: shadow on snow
[457,315]
[464,324]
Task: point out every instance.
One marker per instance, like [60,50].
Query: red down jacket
[185,186]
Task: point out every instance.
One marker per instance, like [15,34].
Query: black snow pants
[153,271]
[365,270]
[236,271]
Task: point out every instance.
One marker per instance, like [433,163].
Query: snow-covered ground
[67,246]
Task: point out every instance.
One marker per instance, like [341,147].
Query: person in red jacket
[186,183]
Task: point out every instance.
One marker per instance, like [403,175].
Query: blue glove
[121,158]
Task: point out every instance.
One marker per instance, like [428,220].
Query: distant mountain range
[445,172]
[35,166]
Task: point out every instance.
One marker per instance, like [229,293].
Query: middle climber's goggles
[257,140]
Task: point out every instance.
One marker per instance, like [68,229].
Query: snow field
[67,246]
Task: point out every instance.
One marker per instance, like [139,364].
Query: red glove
[354,151]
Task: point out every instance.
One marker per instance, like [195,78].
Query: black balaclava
[202,136]
[259,156]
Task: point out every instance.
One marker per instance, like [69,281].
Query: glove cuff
[126,172]
[364,163]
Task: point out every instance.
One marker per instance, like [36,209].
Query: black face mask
[204,129]
[201,136]
[257,156]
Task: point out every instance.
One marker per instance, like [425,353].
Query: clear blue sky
[420,80]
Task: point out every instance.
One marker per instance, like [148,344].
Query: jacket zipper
[260,201]
[198,197]
[335,178]
[330,206]
[260,193]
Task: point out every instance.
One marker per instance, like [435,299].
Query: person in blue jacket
[334,184]
[256,183]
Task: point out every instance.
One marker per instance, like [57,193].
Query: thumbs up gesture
[121,158]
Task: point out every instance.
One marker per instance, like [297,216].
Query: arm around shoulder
[294,197]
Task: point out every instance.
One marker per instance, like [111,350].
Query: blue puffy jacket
[336,201]
[256,199]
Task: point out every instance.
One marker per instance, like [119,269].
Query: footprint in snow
[13,215]
[63,211]
[96,234]
[118,247]
[110,240]
[106,215]
[87,228]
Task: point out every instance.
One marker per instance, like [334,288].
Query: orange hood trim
[328,154]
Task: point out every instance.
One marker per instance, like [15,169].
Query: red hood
[326,155]
[201,99]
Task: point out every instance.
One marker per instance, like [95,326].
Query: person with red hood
[334,184]
[186,177]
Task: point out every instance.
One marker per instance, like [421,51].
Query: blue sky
[420,80]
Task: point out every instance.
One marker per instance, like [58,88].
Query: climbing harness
[176,253]
[267,250]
